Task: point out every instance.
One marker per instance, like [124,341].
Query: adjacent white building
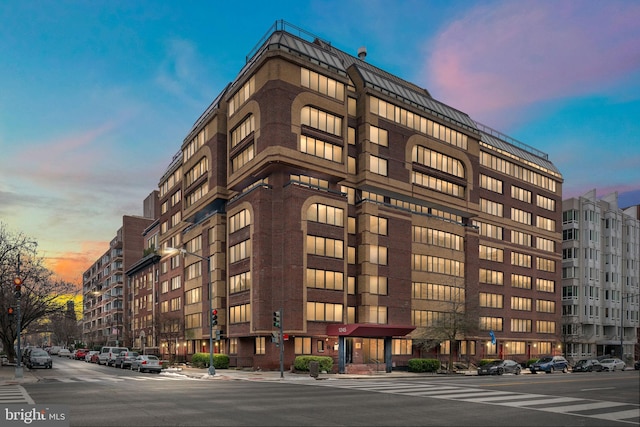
[600,277]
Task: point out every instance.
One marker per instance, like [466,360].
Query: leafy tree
[40,289]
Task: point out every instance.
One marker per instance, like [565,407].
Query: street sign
[493,337]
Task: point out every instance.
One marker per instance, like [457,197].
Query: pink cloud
[513,54]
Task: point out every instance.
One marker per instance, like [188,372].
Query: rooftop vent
[362,53]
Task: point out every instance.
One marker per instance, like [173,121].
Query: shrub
[531,362]
[423,365]
[201,360]
[301,363]
[483,362]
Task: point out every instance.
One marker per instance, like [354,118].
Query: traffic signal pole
[277,322]
[18,283]
[281,346]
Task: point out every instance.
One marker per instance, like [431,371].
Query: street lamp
[212,369]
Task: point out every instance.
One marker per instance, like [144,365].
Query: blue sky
[97,96]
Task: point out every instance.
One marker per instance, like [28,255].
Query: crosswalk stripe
[441,392]
[510,396]
[15,394]
[532,402]
[540,402]
[584,407]
[617,416]
[501,395]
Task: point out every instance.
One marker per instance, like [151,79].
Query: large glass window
[491,183]
[326,214]
[435,160]
[378,165]
[321,120]
[416,122]
[239,220]
[243,130]
[431,236]
[324,312]
[325,279]
[324,246]
[323,84]
[319,148]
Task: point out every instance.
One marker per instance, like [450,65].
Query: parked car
[587,365]
[108,354]
[53,350]
[613,364]
[89,356]
[124,359]
[499,367]
[39,357]
[146,363]
[94,357]
[550,364]
[636,365]
[64,352]
[80,353]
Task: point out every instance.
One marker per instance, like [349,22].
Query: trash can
[314,369]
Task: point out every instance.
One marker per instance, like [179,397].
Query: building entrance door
[348,350]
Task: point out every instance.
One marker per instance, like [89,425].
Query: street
[103,396]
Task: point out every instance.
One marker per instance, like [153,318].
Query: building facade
[600,277]
[106,303]
[369,213]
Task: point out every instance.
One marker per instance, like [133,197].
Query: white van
[108,354]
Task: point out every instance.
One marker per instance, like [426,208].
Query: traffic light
[11,312]
[18,286]
[214,317]
[276,319]
[275,337]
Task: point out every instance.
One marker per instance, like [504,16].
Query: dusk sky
[97,96]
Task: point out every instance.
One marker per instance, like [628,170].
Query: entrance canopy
[369,330]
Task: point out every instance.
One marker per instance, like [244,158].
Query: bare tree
[169,328]
[64,326]
[40,291]
[452,321]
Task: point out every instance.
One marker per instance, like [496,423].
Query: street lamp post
[212,369]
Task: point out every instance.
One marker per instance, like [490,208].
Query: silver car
[613,364]
[39,357]
[146,363]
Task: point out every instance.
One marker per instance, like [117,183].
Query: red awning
[369,330]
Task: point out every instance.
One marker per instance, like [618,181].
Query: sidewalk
[244,374]
[8,375]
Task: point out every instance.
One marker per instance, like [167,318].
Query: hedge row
[201,360]
[301,363]
[423,365]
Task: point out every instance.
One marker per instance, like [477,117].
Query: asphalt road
[104,396]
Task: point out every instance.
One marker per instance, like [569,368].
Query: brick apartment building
[366,210]
[106,316]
